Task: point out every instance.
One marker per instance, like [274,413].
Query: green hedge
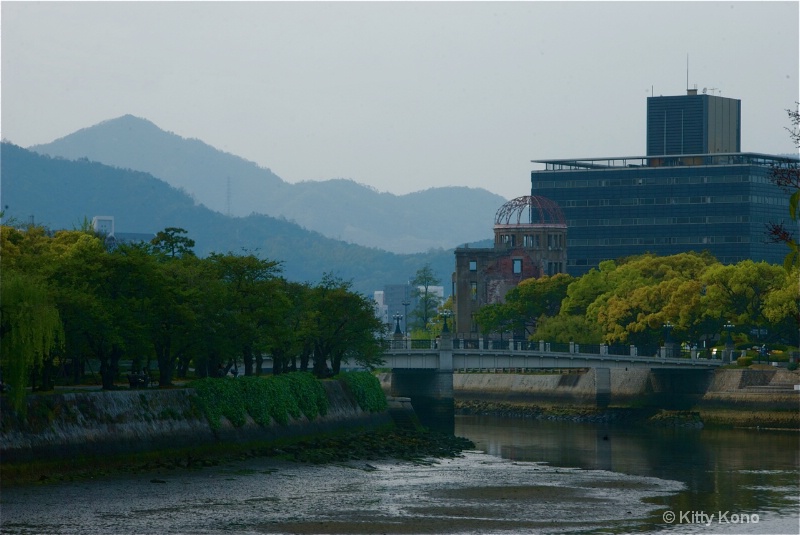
[263,398]
[367,390]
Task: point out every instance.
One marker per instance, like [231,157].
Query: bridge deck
[505,359]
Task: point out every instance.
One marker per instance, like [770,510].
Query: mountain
[62,194]
[338,208]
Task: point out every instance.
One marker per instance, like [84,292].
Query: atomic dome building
[530,239]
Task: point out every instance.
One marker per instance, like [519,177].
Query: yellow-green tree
[646,292]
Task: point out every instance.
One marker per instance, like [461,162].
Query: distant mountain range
[340,209]
[60,193]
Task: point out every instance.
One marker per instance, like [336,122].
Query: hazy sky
[399,96]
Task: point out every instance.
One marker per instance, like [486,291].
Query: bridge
[423,371]
[447,354]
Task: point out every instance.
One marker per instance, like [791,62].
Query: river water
[525,476]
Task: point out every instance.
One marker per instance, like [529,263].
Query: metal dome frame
[547,212]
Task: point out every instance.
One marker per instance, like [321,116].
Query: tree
[30,327]
[172,242]
[427,301]
[781,307]
[787,176]
[565,328]
[341,324]
[91,293]
[738,292]
[174,327]
[286,337]
[251,284]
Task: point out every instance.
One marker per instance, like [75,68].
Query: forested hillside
[339,208]
[60,193]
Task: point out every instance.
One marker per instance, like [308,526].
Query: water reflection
[723,470]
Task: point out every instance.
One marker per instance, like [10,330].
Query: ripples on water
[478,493]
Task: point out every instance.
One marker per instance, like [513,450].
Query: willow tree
[30,327]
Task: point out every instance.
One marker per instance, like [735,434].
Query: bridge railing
[568,348]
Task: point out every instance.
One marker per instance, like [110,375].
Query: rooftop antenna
[687,71]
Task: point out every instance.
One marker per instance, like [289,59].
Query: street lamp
[729,343]
[667,340]
[405,304]
[446,314]
[397,317]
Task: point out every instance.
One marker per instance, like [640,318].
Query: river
[525,476]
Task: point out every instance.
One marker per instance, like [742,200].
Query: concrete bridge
[425,374]
[444,355]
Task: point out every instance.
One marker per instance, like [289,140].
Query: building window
[516,266]
[473,290]
[473,265]
[531,241]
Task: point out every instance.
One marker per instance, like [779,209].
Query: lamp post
[446,313]
[405,304]
[667,340]
[729,342]
[397,317]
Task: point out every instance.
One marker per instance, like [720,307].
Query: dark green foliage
[275,397]
[366,389]
[308,392]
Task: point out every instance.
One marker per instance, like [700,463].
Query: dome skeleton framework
[530,211]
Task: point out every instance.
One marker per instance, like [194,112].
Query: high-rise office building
[691,192]
[693,124]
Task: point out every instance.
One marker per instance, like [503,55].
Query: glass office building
[693,191]
[619,207]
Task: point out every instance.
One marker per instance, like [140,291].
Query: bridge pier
[430,391]
[602,387]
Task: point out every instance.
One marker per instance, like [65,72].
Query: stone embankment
[86,424]
[738,397]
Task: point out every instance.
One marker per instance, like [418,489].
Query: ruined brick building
[530,240]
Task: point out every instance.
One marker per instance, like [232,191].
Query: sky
[399,96]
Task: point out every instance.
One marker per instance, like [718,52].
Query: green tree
[86,278]
[781,308]
[342,325]
[565,328]
[534,298]
[737,293]
[30,327]
[427,300]
[286,334]
[251,286]
[174,328]
[172,242]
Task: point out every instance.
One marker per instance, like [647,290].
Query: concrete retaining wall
[129,421]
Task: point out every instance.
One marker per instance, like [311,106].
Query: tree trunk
[164,356]
[247,355]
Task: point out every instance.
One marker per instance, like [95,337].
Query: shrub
[264,399]
[744,361]
[366,389]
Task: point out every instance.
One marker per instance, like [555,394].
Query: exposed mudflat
[476,493]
